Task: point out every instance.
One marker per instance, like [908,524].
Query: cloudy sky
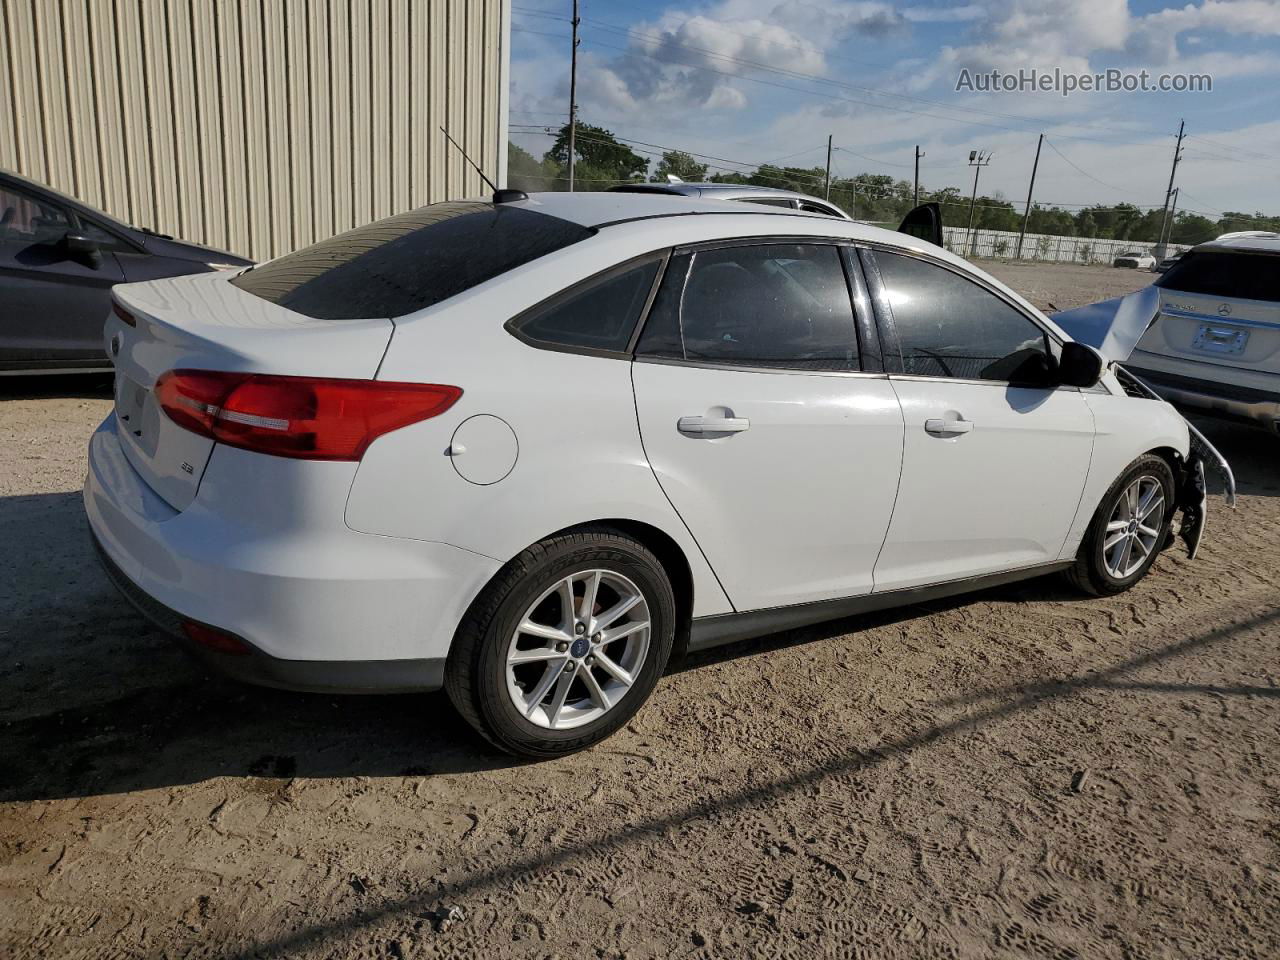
[752,81]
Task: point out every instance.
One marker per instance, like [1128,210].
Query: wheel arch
[674,562]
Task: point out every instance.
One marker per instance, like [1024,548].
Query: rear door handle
[948,428]
[700,426]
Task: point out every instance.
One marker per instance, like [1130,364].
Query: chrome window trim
[1002,384]
[739,368]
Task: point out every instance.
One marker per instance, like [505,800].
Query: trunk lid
[203,322]
[1220,306]
[1226,331]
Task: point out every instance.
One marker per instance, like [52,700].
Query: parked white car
[528,449]
[1134,259]
[1206,334]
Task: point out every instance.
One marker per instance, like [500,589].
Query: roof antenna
[492,186]
[499,196]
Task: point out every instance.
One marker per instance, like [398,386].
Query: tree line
[602,161]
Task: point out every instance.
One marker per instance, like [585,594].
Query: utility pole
[827,193]
[573,92]
[1026,215]
[1168,195]
[1164,237]
[915,201]
[977,160]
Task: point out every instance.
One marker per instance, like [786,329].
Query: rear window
[1214,273]
[410,261]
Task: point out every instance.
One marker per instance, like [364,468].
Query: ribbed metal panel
[257,126]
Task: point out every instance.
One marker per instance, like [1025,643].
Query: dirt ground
[1020,773]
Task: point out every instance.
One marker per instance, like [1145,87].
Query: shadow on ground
[93,700]
[88,386]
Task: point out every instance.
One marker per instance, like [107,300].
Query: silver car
[745,192]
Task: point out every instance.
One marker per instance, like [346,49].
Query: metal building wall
[256,126]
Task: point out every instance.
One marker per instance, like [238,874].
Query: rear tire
[540,676]
[1134,515]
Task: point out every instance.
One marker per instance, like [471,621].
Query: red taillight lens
[124,314]
[214,639]
[308,418]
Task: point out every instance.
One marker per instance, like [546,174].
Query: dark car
[59,260]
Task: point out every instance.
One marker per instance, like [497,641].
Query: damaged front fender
[1192,492]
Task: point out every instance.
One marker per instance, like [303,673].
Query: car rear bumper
[257,667]
[320,606]
[1223,400]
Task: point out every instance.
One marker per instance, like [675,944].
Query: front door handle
[947,428]
[702,426]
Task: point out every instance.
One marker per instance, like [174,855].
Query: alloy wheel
[1134,528]
[578,649]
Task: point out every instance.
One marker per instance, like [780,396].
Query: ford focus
[530,449]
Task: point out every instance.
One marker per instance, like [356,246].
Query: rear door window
[783,305]
[410,261]
[1221,273]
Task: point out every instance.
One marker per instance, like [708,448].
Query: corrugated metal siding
[257,126]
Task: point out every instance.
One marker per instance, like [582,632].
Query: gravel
[891,785]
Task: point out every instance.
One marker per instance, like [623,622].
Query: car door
[52,302]
[994,457]
[779,451]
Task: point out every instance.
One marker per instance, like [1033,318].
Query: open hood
[1113,326]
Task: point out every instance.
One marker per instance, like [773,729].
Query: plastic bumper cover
[323,607]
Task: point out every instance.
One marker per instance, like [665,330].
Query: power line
[1081,170]
[1021,118]
[886,163]
[545,14]
[847,184]
[1237,148]
[840,99]
[815,78]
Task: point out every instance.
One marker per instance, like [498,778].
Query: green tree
[526,173]
[601,157]
[679,164]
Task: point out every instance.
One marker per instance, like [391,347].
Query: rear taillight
[308,418]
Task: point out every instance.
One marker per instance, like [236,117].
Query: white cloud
[944,14]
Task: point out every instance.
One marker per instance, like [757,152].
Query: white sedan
[1135,260]
[529,449]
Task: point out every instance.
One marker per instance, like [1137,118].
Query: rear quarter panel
[579,458]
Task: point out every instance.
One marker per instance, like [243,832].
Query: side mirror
[1080,365]
[79,247]
[924,222]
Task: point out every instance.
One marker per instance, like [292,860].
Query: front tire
[1128,530]
[565,644]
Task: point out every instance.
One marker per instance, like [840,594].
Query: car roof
[1258,241]
[601,209]
[724,190]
